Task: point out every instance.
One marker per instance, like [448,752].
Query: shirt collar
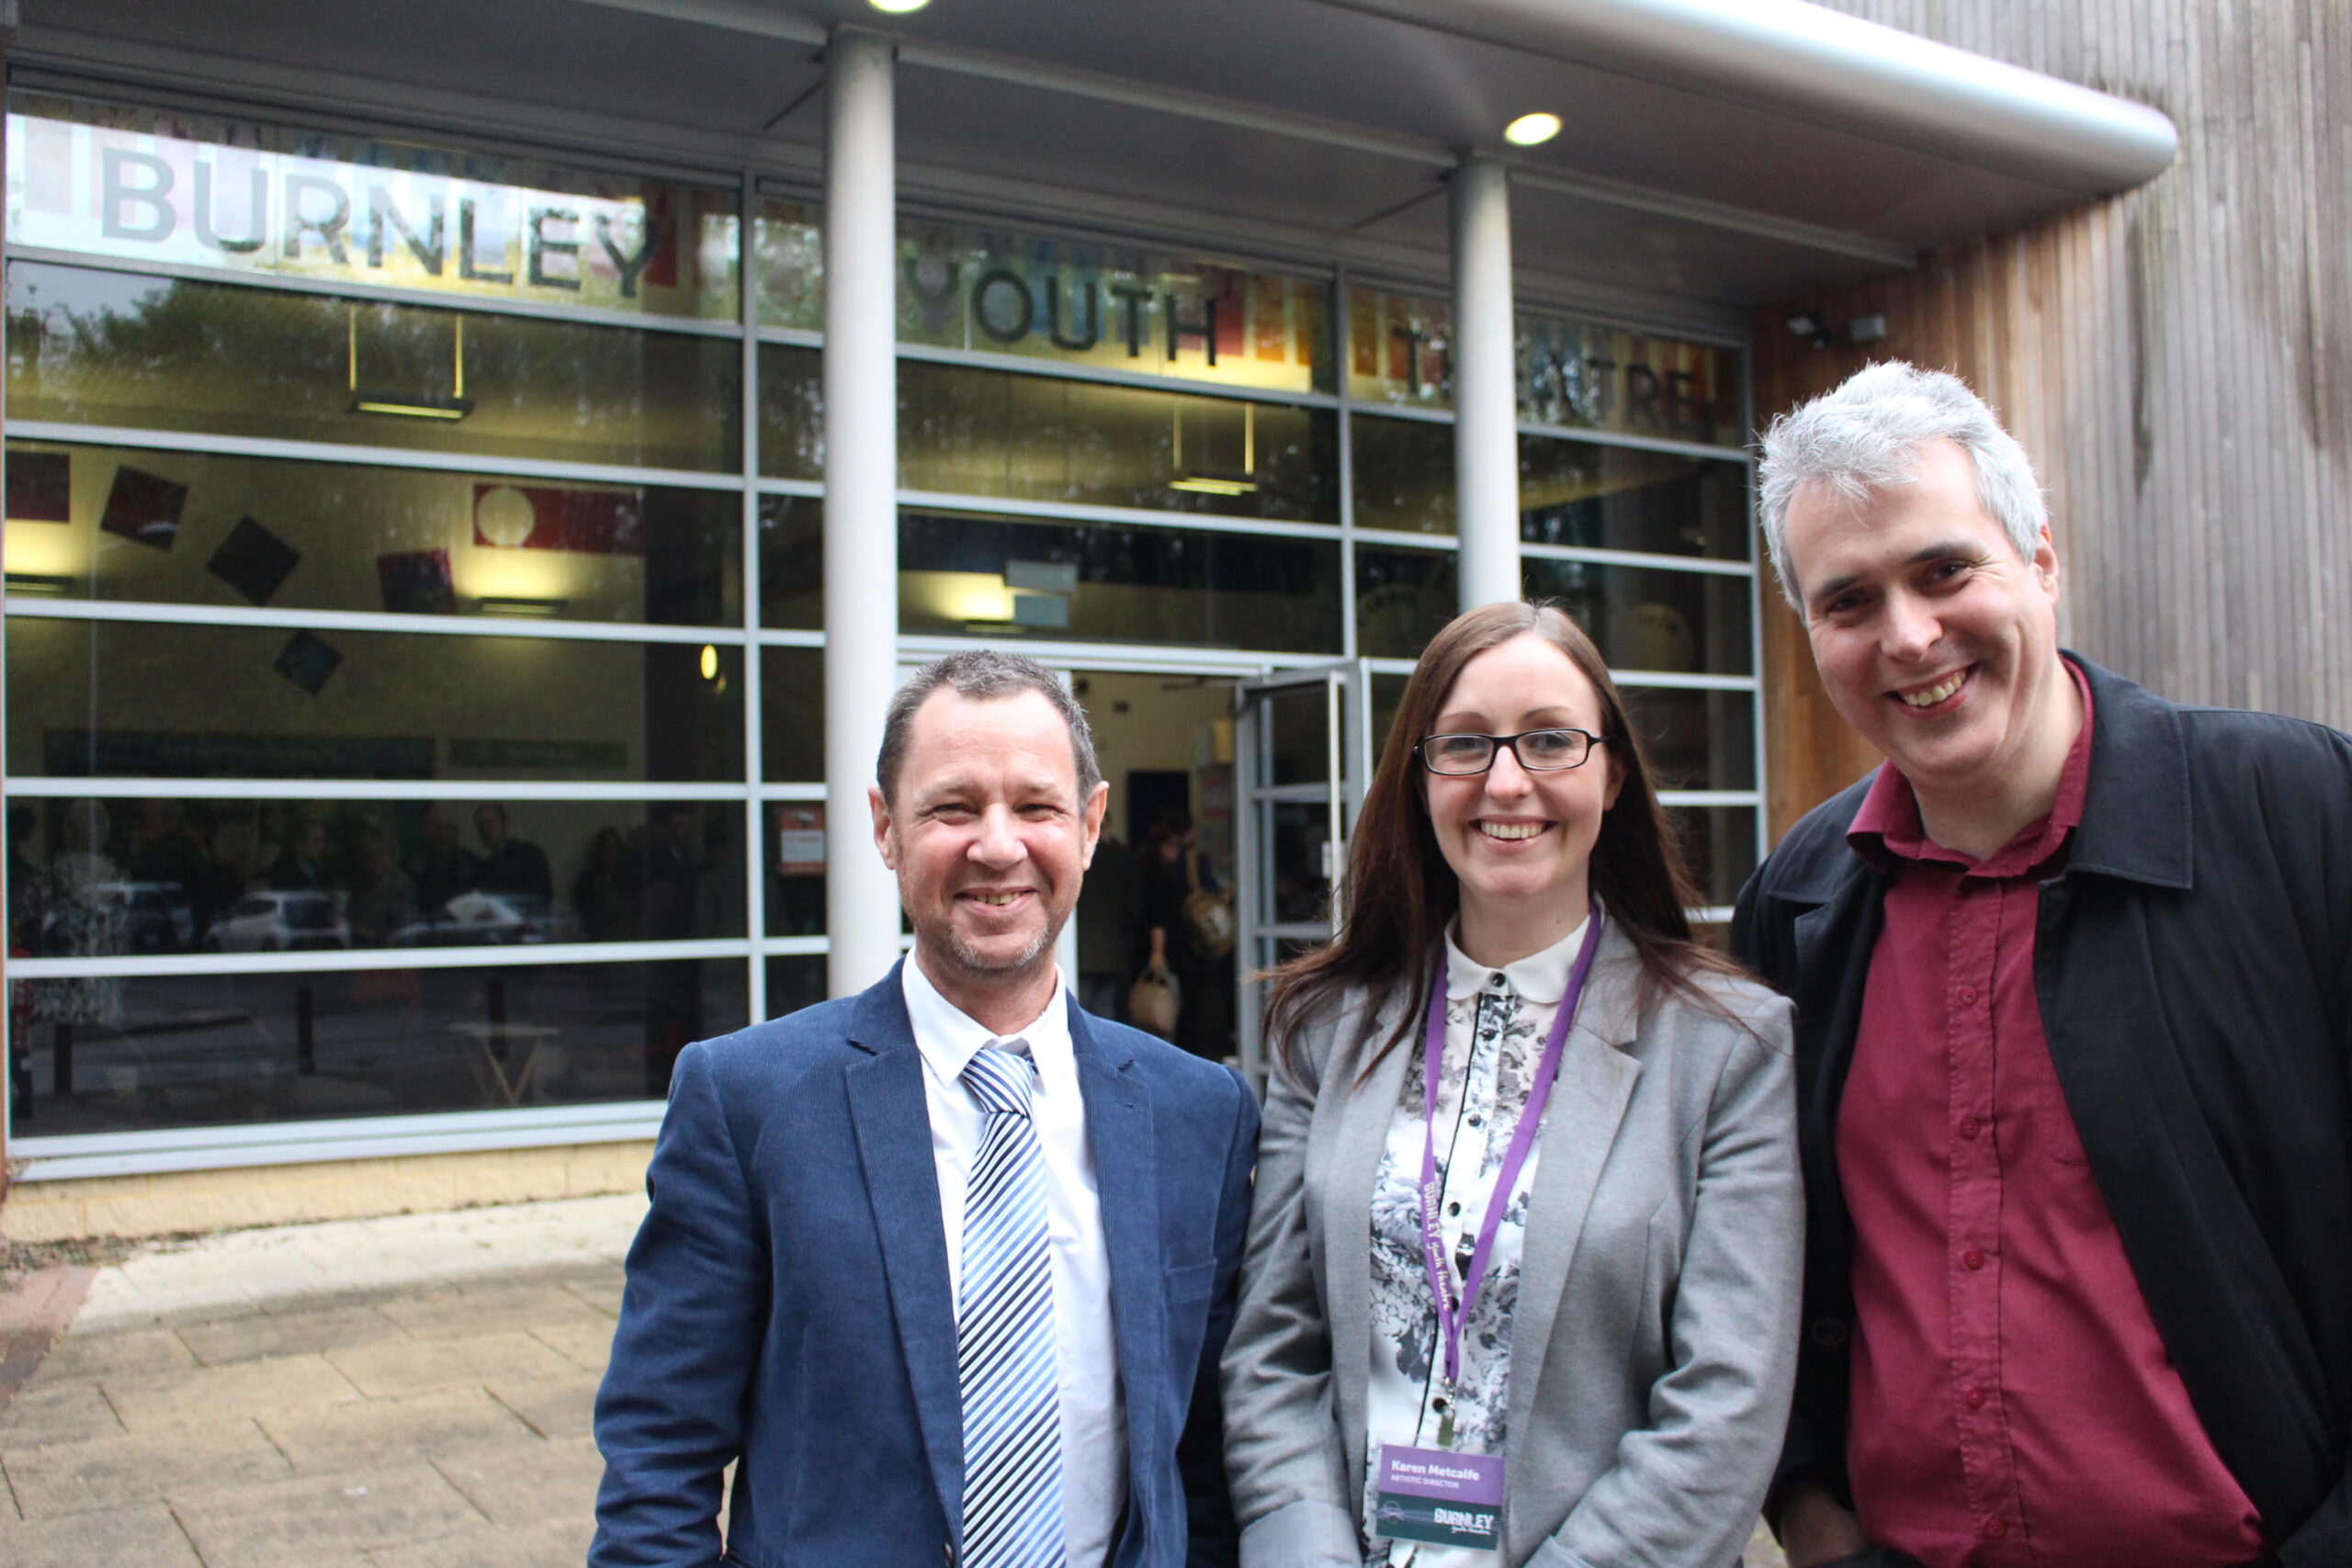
[1540,978]
[1887,831]
[949,1037]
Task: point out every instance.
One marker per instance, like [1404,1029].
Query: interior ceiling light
[1532,130]
[452,404]
[898,8]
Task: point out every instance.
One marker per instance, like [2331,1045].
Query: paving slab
[323,1520]
[100,1357]
[413,1366]
[374,1431]
[60,1410]
[144,1537]
[210,1395]
[537,1546]
[252,1336]
[483,1308]
[588,1345]
[601,1290]
[537,1482]
[52,1478]
[560,1406]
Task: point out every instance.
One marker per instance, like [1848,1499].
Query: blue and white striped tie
[1004,1331]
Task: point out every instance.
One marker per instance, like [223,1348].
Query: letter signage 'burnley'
[193,191]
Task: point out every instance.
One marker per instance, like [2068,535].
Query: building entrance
[1166,744]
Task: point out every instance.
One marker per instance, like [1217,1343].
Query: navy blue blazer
[789,1305]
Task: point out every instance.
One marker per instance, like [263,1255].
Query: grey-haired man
[2074,985]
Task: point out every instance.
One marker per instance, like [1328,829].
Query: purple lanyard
[1452,1312]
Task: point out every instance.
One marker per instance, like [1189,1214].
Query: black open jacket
[2194,966]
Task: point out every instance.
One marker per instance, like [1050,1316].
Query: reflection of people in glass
[1166,872]
[301,866]
[84,917]
[441,868]
[673,990]
[604,893]
[383,898]
[27,883]
[509,864]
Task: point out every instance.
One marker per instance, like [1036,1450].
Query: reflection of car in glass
[279,921]
[476,919]
[156,916]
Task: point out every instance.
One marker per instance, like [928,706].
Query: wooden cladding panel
[2175,358]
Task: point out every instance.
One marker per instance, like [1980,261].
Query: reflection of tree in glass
[114,348]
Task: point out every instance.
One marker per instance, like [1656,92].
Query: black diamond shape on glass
[144,507]
[307,659]
[254,561]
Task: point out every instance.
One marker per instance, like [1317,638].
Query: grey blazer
[1655,1344]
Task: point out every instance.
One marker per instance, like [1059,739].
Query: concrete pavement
[403,1393]
[407,1393]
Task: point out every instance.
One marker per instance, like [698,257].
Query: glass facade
[414,635]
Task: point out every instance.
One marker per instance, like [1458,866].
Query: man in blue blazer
[946,1268]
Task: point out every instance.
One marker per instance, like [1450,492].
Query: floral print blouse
[1497,1022]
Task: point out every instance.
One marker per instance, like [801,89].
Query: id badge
[1444,1498]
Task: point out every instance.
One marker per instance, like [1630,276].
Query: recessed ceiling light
[1527,130]
[898,7]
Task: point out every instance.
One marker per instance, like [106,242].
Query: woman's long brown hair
[1401,893]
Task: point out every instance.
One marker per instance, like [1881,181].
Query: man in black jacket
[2074,988]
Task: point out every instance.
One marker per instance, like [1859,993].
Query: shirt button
[1974,1399]
[1477,1121]
[1453,1208]
[1968,995]
[1973,1257]
[1995,1528]
[1970,1126]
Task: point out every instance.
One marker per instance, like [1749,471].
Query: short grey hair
[1865,435]
[983,675]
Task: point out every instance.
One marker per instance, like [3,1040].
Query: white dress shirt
[1497,1023]
[1093,1410]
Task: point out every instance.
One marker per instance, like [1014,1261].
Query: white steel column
[861,506]
[1485,385]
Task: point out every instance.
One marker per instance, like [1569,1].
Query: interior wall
[2178,360]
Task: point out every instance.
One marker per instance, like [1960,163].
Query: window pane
[1697,739]
[189,528]
[91,877]
[1644,618]
[113,348]
[788,238]
[1024,437]
[795,983]
[1718,845]
[133,699]
[1570,493]
[121,1055]
[791,718]
[792,412]
[1403,599]
[792,562]
[1003,577]
[794,833]
[1622,498]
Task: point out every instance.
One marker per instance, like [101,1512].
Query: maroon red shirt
[2012,1401]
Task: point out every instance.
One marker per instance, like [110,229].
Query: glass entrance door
[1303,755]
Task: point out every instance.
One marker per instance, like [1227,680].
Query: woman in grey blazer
[1543,1309]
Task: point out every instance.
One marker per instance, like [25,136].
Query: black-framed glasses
[1537,750]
